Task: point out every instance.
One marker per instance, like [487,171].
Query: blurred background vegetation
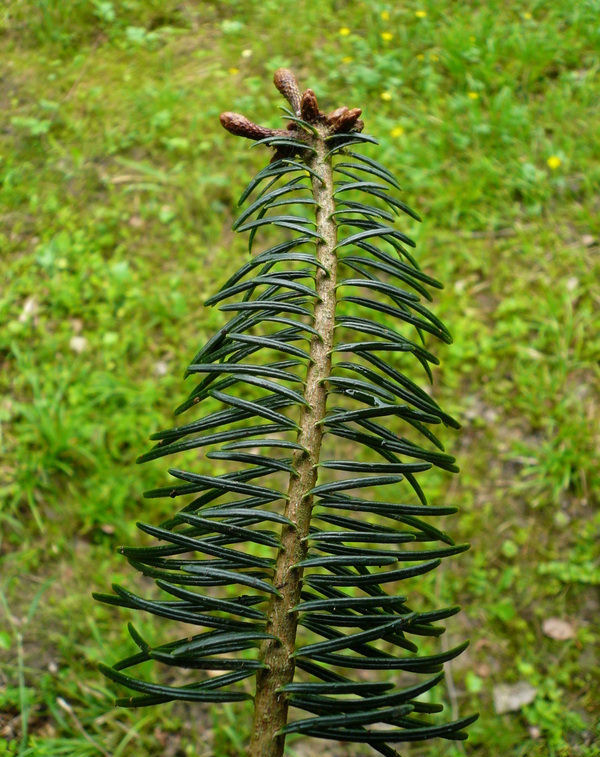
[118,189]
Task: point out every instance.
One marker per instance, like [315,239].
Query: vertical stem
[271,707]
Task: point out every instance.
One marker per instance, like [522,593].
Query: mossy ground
[118,188]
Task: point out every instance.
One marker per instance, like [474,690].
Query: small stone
[558,629]
[78,344]
[30,309]
[160,368]
[511,697]
[588,240]
[534,732]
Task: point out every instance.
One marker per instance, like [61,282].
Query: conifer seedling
[289,569]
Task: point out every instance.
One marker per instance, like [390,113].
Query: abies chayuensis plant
[292,563]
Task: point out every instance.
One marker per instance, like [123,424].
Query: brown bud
[309,108]
[346,121]
[286,83]
[243,127]
[334,115]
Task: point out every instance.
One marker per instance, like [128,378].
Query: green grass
[117,192]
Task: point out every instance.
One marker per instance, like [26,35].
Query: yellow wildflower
[420,56]
[473,96]
[554,162]
[527,16]
[234,70]
[434,57]
[397,131]
[385,15]
[347,59]
[386,96]
[344,31]
[387,36]
[421,14]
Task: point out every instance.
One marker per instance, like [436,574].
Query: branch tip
[241,126]
[304,106]
[286,83]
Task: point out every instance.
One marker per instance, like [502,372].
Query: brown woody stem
[271,706]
